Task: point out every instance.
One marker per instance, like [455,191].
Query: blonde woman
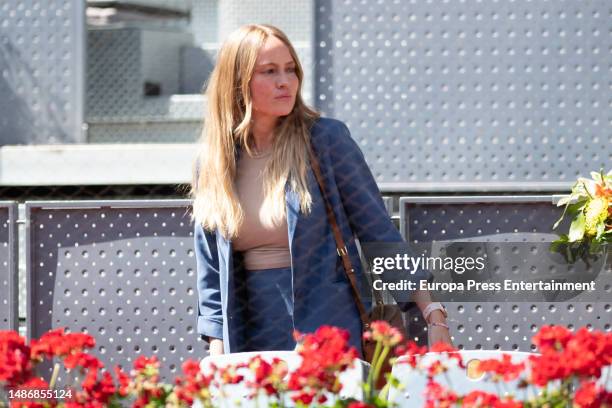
[266,257]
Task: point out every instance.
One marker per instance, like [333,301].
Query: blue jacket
[321,292]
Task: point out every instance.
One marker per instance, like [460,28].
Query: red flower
[96,392]
[15,365]
[436,368]
[359,404]
[124,381]
[588,352]
[83,360]
[268,376]
[382,331]
[591,395]
[325,354]
[411,351]
[583,354]
[480,399]
[57,343]
[146,387]
[450,351]
[437,396]
[547,367]
[229,374]
[305,397]
[502,369]
[551,337]
[143,362]
[34,383]
[193,383]
[508,403]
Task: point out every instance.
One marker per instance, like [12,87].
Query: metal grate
[123,271]
[510,325]
[469,95]
[42,72]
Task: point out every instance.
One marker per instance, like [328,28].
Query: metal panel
[509,325]
[422,218]
[470,95]
[8,266]
[114,81]
[205,22]
[121,59]
[123,271]
[41,71]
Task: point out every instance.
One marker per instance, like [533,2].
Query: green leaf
[571,210]
[576,231]
[559,244]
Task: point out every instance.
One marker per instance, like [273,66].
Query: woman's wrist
[434,310]
[436,316]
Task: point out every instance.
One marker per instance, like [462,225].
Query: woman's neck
[263,133]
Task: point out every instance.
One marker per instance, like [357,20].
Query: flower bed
[567,372]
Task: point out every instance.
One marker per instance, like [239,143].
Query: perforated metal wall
[8,266]
[120,61]
[469,95]
[509,325]
[111,92]
[123,271]
[205,22]
[41,71]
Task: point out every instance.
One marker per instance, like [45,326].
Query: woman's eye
[269,71]
[291,69]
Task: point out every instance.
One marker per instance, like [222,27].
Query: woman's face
[274,84]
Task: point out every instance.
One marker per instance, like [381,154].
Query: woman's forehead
[274,51]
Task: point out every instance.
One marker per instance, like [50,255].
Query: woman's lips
[283,97]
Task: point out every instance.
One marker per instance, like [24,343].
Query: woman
[266,257]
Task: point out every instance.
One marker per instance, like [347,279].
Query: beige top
[263,247]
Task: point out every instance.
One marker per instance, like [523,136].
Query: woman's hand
[216,347]
[438,334]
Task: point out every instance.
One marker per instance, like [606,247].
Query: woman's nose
[282,80]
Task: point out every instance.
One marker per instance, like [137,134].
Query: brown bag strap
[340,245]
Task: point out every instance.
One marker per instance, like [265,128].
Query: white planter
[237,395]
[415,382]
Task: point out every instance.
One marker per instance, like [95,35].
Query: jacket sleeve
[210,318]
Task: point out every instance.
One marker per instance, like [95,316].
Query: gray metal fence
[123,271]
[42,57]
[497,325]
[8,265]
[469,95]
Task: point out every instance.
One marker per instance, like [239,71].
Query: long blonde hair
[227,126]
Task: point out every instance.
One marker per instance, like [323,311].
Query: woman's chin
[283,112]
